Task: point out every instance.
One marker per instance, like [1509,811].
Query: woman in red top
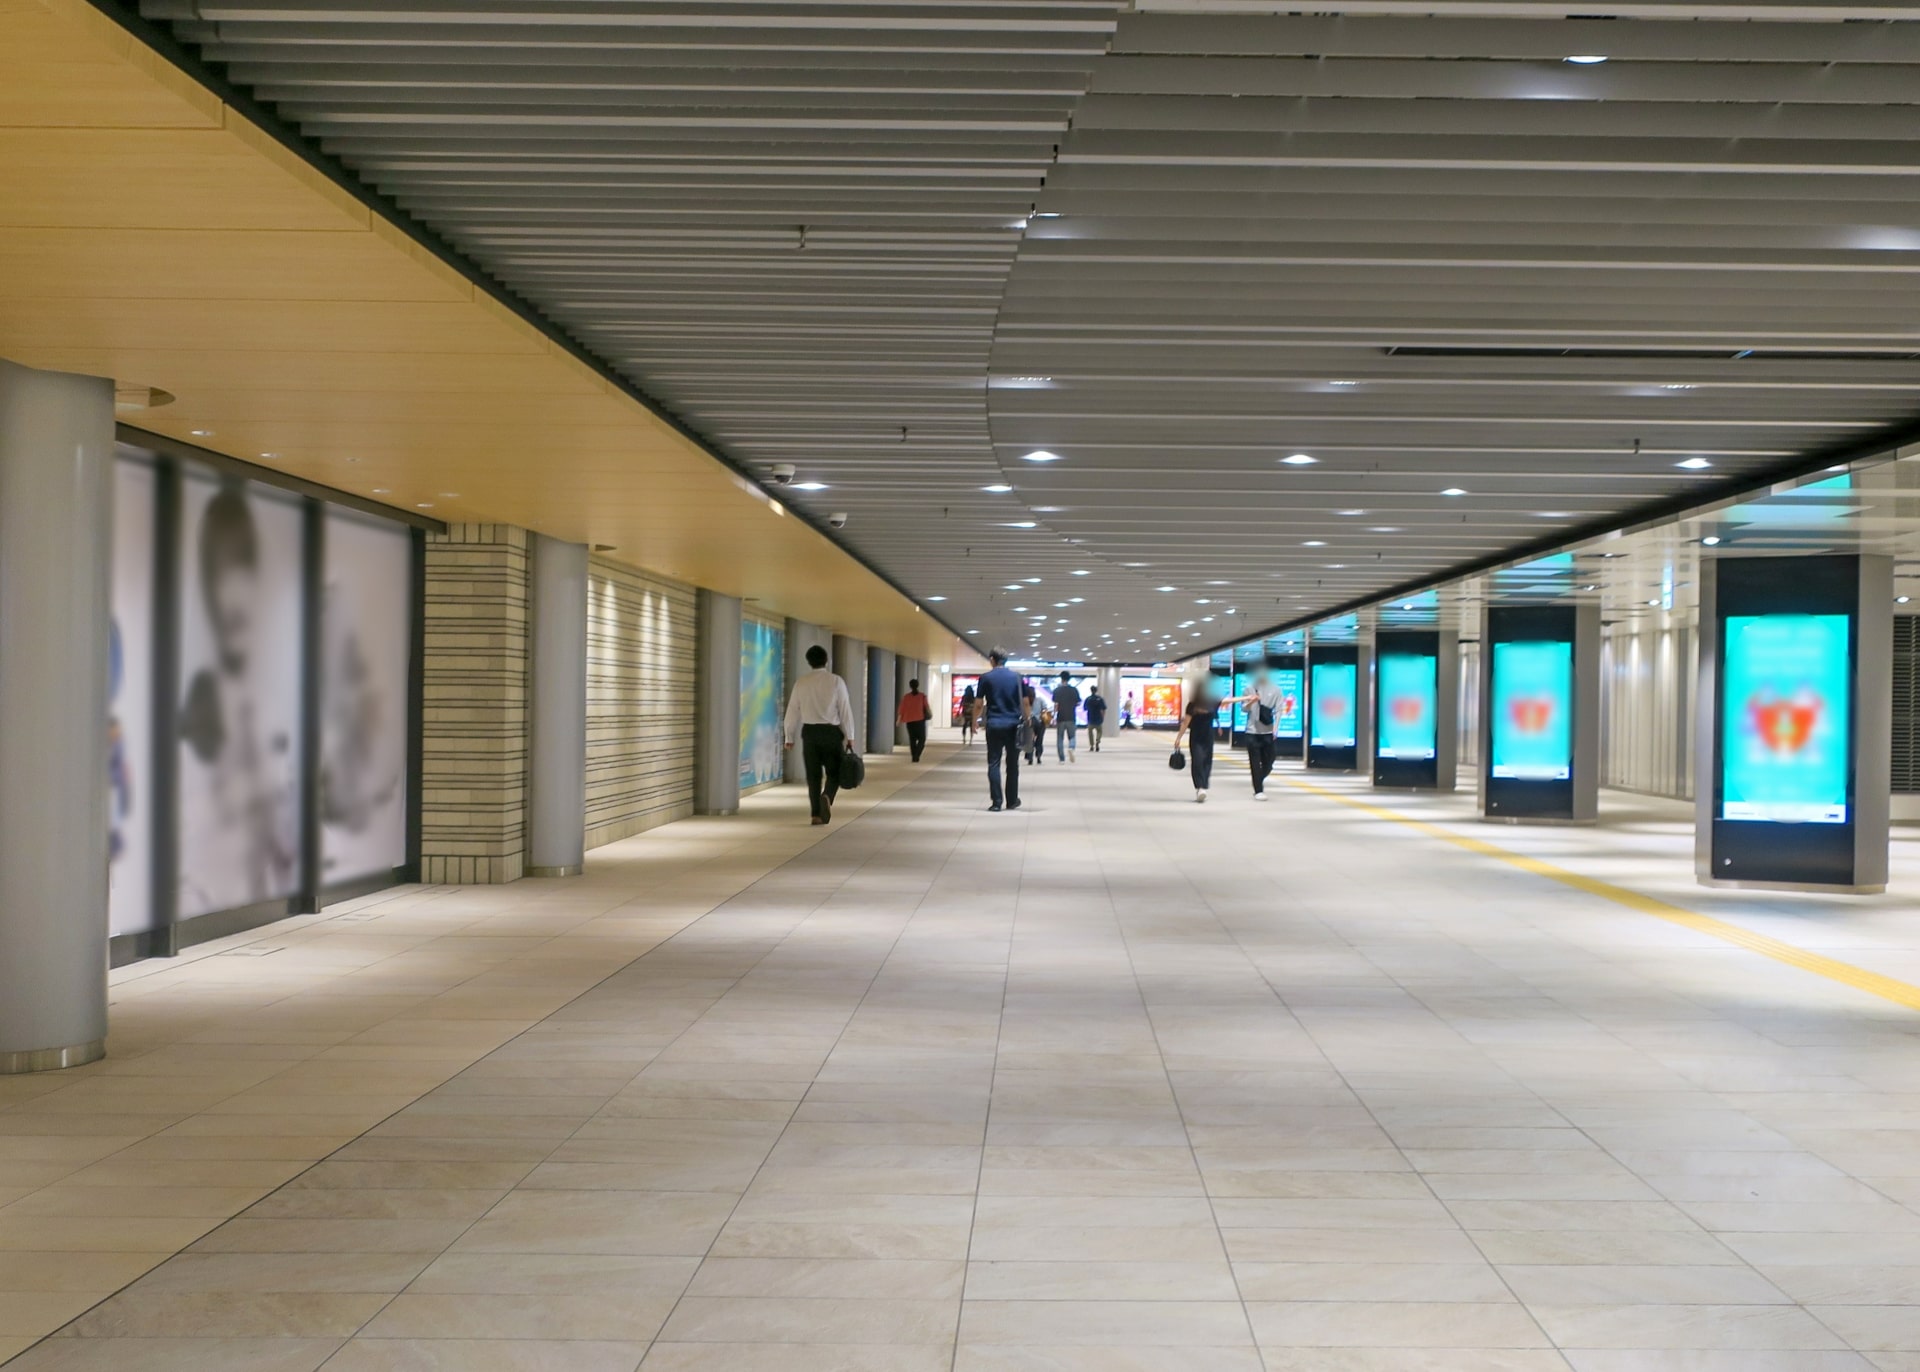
[915,710]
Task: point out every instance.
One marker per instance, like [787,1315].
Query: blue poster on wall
[762,673]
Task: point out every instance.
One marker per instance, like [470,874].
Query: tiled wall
[641,636]
[474,737]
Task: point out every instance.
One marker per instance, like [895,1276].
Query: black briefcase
[853,770]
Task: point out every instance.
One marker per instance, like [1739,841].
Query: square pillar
[850,664]
[716,753]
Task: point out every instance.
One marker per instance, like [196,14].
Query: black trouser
[821,746]
[1200,757]
[917,737]
[1260,755]
[1003,740]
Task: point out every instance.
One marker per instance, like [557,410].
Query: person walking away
[1042,717]
[1066,718]
[1196,727]
[820,719]
[1096,707]
[1263,708]
[969,708]
[915,709]
[1004,708]
[1127,712]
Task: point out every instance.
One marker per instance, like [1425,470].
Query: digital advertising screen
[1289,721]
[1409,685]
[763,671]
[961,685]
[1161,703]
[1242,683]
[1785,722]
[1332,707]
[1532,711]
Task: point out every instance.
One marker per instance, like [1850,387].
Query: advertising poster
[1532,711]
[130,704]
[1161,703]
[1289,721]
[961,685]
[367,640]
[762,674]
[1409,701]
[1332,706]
[240,658]
[1785,724]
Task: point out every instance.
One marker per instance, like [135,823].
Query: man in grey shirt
[1066,718]
[1263,708]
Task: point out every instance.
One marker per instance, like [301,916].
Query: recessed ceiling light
[202,433]
[1083,572]
[973,631]
[1553,514]
[1901,599]
[1314,543]
[1349,513]
[996,489]
[423,505]
[1711,540]
[1011,586]
[1077,600]
[1032,580]
[1693,464]
[1022,524]
[1678,386]
[936,597]
[1165,588]
[1042,455]
[1343,384]
[382,490]
[1299,460]
[1059,604]
[809,485]
[1841,468]
[1585,59]
[1653,602]
[269,456]
[1385,529]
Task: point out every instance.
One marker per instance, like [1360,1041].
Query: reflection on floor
[1118,1082]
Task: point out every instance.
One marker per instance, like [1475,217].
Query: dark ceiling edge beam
[263,117]
[1884,444]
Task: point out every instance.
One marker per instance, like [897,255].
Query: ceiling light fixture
[1453,490]
[809,485]
[1022,524]
[1299,460]
[996,489]
[1314,543]
[1083,572]
[202,433]
[1693,464]
[936,597]
[1711,540]
[1585,59]
[1165,588]
[1041,455]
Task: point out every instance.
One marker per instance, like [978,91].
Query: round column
[56,536]
[557,731]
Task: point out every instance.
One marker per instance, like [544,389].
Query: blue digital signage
[1409,687]
[1331,706]
[1786,723]
[1531,714]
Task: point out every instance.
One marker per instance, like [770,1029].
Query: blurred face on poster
[230,578]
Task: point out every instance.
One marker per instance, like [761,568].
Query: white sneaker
[1259,795]
[1200,796]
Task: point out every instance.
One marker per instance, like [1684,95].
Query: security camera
[838,519]
[783,473]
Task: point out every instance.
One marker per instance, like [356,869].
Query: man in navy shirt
[1005,709]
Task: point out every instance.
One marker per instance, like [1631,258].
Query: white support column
[850,663]
[716,750]
[56,533]
[557,732]
[880,705]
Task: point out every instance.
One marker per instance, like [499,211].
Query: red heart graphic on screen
[1786,725]
[1333,707]
[1287,703]
[1406,709]
[1530,713]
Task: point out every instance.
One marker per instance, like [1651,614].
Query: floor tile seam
[740,1198]
[1213,1213]
[1848,974]
[242,1213]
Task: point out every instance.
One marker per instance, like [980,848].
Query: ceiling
[1499,298]
[149,232]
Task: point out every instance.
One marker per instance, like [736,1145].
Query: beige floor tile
[175,1355]
[155,1312]
[1385,1324]
[797,1357]
[486,1355]
[852,1278]
[593,1315]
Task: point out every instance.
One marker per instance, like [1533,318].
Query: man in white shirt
[820,718]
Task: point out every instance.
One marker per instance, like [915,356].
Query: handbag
[1178,761]
[853,770]
[1266,716]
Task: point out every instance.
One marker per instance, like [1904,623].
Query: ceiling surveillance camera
[783,473]
[838,519]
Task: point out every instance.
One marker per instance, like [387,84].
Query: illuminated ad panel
[1785,727]
[1332,706]
[1409,704]
[1532,711]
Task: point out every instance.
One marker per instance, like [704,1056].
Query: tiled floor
[1116,1083]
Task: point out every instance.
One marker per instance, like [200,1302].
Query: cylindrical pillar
[716,749]
[557,710]
[850,663]
[881,701]
[800,637]
[56,530]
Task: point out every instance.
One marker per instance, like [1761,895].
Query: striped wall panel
[641,636]
[474,723]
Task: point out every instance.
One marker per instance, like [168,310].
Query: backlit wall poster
[961,685]
[1531,714]
[240,655]
[367,639]
[1409,688]
[1161,703]
[1786,740]
[763,669]
[1331,706]
[130,703]
[1289,721]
